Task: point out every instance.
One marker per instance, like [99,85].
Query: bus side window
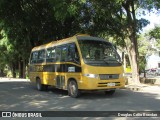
[64,53]
[41,56]
[34,57]
[58,54]
[51,55]
[73,55]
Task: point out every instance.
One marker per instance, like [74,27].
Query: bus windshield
[99,53]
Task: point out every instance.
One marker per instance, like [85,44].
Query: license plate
[111,84]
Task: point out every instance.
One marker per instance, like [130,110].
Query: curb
[143,88]
[13,80]
[136,87]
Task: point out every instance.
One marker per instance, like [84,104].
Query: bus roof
[89,38]
[67,40]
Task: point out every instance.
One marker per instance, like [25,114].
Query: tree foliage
[155,34]
[144,49]
[25,24]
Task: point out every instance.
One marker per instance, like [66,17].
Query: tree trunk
[144,74]
[20,68]
[1,73]
[134,64]
[132,39]
[134,56]
[24,68]
[13,70]
[128,47]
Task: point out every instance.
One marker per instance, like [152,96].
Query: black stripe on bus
[55,68]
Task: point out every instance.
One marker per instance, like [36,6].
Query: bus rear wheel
[73,89]
[40,86]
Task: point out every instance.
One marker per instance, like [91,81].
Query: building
[153,61]
[153,58]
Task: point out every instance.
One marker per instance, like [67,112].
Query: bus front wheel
[73,89]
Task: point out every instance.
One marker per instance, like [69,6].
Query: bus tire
[73,89]
[40,86]
[110,92]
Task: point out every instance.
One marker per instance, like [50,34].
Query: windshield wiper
[110,59]
[105,61]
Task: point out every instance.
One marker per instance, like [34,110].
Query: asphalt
[150,88]
[21,96]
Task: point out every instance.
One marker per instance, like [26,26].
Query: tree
[155,34]
[118,18]
[144,48]
[31,23]
[23,22]
[7,56]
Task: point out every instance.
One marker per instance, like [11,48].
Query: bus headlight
[121,75]
[91,75]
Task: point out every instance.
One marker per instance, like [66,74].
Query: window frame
[33,61]
[51,59]
[74,54]
[58,52]
[41,60]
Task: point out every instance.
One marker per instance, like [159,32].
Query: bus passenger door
[60,67]
[50,65]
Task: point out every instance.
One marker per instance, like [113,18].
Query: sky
[154,19]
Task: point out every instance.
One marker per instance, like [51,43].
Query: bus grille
[108,76]
[106,84]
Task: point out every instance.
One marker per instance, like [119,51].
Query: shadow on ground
[23,96]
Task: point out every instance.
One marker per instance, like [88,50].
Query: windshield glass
[99,53]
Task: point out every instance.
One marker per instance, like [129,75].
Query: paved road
[22,96]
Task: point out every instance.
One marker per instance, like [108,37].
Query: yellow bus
[76,64]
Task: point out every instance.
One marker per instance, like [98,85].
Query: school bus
[76,64]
